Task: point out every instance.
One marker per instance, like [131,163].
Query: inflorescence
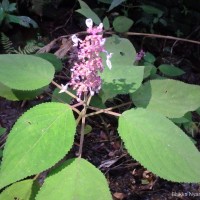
[84,73]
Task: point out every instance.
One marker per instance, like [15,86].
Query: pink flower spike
[89,23]
[64,88]
[85,77]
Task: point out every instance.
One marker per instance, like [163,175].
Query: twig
[77,104]
[101,111]
[157,36]
[107,110]
[139,34]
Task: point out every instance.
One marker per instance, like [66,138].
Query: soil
[127,179]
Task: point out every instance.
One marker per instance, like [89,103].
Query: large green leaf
[159,145]
[53,59]
[16,95]
[78,180]
[39,139]
[62,97]
[88,13]
[25,72]
[124,77]
[96,101]
[21,190]
[170,97]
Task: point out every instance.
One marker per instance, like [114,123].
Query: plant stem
[79,117]
[82,132]
[36,176]
[72,107]
[83,114]
[69,93]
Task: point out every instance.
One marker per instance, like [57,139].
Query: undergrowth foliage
[7,17]
[8,46]
[45,133]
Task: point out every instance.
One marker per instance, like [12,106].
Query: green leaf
[2,131]
[124,77]
[37,134]
[87,129]
[155,20]
[21,190]
[25,72]
[62,97]
[115,3]
[149,57]
[88,13]
[78,180]
[185,119]
[170,97]
[170,70]
[1,154]
[54,60]
[159,145]
[106,23]
[106,1]
[12,19]
[152,10]
[122,24]
[96,101]
[16,95]
[2,15]
[27,21]
[198,111]
[12,7]
[149,69]
[21,20]
[163,22]
[5,5]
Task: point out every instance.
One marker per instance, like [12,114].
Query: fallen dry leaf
[119,195]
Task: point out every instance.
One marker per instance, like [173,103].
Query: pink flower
[85,72]
[140,55]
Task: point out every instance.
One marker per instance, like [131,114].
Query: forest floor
[127,179]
